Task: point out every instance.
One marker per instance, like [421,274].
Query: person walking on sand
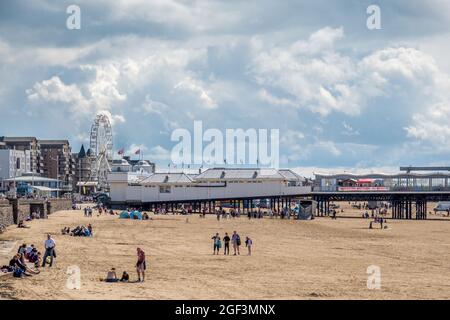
[49,245]
[236,240]
[248,244]
[140,265]
[226,241]
[217,243]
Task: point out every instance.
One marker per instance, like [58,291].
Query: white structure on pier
[212,184]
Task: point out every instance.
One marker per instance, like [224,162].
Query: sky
[343,97]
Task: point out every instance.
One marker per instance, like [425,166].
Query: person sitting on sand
[125,277]
[140,264]
[21,224]
[28,250]
[89,227]
[145,216]
[21,251]
[16,263]
[35,257]
[111,276]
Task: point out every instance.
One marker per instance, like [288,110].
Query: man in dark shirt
[15,262]
[226,240]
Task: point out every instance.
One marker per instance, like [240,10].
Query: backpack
[238,240]
[17,273]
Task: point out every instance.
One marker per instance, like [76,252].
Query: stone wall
[23,212]
[14,210]
[39,207]
[6,213]
[20,208]
[54,205]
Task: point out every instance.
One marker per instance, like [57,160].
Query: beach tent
[124,215]
[305,209]
[136,215]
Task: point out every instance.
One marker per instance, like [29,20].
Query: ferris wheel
[101,145]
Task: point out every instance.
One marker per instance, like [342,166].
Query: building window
[164,189]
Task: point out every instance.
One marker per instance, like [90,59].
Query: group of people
[111,276]
[221,213]
[79,231]
[87,211]
[19,265]
[235,241]
[382,221]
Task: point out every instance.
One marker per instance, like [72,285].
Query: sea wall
[14,210]
[6,213]
[54,205]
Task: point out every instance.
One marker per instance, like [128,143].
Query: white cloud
[189,85]
[315,74]
[54,90]
[159,153]
[349,130]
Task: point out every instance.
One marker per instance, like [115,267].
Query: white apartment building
[14,163]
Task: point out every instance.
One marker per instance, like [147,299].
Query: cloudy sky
[342,96]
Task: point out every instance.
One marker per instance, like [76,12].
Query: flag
[138,151]
[121,151]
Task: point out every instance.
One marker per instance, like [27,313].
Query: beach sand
[319,259]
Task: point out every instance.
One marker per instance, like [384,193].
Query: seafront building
[58,162]
[30,144]
[42,163]
[13,162]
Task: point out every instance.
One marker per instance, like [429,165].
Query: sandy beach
[319,259]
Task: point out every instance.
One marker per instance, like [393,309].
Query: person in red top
[140,264]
